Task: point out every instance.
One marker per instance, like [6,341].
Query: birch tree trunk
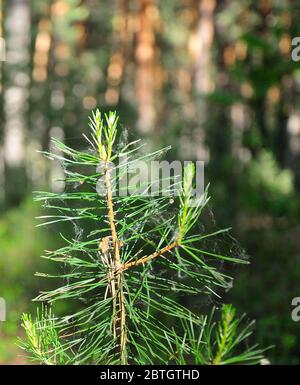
[17,28]
[2,42]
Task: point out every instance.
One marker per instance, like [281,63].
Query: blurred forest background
[214,79]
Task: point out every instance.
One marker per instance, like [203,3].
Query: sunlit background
[215,79]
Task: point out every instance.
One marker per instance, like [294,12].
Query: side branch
[148,258]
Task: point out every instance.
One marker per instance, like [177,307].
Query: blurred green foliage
[21,244]
[265,211]
[140,56]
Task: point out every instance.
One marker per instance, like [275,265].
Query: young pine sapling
[133,270]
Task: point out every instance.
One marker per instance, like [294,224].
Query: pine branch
[150,257]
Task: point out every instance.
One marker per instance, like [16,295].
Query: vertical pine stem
[117,280]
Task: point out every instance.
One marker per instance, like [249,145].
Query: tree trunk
[144,55]
[17,28]
[202,52]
